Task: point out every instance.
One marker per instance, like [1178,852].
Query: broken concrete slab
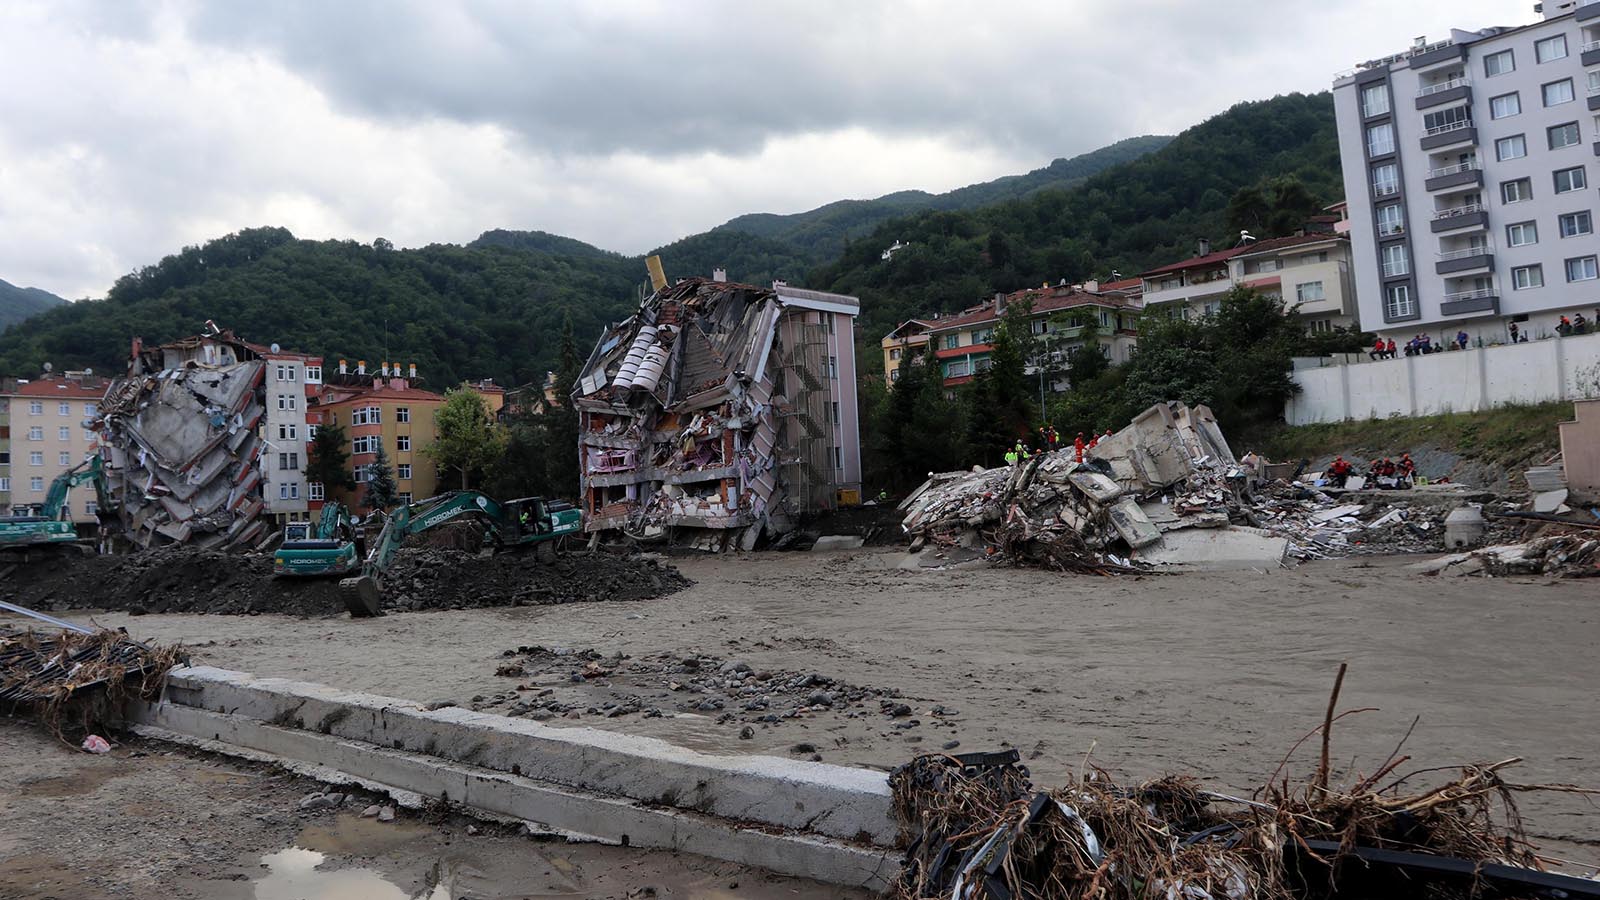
[1219,548]
[1337,512]
[1131,522]
[838,542]
[1549,501]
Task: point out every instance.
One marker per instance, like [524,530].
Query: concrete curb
[796,818]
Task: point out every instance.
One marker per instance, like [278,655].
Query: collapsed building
[720,412]
[180,442]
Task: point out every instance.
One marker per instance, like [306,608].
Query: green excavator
[332,548]
[531,522]
[26,538]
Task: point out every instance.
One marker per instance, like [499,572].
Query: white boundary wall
[1460,381]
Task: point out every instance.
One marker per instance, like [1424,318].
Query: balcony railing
[1444,86]
[1472,166]
[1592,45]
[1395,270]
[1476,294]
[1454,211]
[1449,127]
[1465,253]
[1385,188]
[1389,228]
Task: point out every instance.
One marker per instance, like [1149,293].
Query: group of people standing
[1050,440]
[1384,472]
[1419,345]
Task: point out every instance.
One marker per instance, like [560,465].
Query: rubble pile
[83,674]
[567,683]
[180,579]
[182,446]
[974,826]
[1562,555]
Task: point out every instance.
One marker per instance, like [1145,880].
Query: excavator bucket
[361,596]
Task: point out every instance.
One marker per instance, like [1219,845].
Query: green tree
[561,445]
[328,459]
[382,492]
[468,441]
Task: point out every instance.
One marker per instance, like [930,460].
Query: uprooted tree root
[975,827]
[73,680]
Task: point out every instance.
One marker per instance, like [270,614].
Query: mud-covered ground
[1211,673]
[187,580]
[149,820]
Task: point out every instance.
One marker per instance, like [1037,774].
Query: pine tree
[382,491]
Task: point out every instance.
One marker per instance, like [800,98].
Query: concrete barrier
[819,821]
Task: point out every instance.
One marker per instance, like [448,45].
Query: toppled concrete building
[181,443]
[719,412]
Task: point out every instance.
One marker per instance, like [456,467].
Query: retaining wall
[1460,381]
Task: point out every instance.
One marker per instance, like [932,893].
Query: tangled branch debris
[84,675]
[975,827]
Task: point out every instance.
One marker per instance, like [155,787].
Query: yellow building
[908,340]
[48,434]
[399,417]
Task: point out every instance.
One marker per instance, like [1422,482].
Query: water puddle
[293,874]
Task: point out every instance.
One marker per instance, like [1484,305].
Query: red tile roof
[384,392]
[1197,262]
[1274,244]
[1057,299]
[1126,284]
[71,389]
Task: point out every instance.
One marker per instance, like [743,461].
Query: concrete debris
[1564,555]
[1551,501]
[182,579]
[718,413]
[1546,478]
[181,443]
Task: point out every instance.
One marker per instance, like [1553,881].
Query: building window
[289,461]
[5,457]
[1527,277]
[894,354]
[311,432]
[1505,106]
[956,368]
[833,367]
[287,373]
[1375,99]
[1558,92]
[1550,49]
[35,408]
[35,458]
[367,443]
[92,508]
[5,485]
[402,414]
[1385,179]
[402,443]
[838,457]
[1397,301]
[288,432]
[366,415]
[403,498]
[90,410]
[314,490]
[1395,260]
[64,458]
[1309,292]
[64,433]
[1499,63]
[835,412]
[287,401]
[1582,269]
[313,374]
[1522,234]
[1380,139]
[1576,224]
[361,474]
[36,483]
[894,375]
[283,492]
[1390,219]
[1443,120]
[403,471]
[1573,179]
[36,433]
[63,409]
[1516,191]
[1513,147]
[1563,135]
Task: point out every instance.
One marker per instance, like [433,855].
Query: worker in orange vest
[1078,446]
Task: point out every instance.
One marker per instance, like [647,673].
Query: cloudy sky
[129,129]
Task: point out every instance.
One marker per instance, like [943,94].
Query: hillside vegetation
[18,303]
[1507,438]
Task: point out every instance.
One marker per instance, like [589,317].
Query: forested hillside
[1254,157]
[17,303]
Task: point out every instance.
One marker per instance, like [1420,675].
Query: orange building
[382,409]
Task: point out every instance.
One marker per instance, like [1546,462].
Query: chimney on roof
[384,368]
[344,367]
[361,367]
[1091,286]
[719,274]
[412,371]
[999,304]
[1204,247]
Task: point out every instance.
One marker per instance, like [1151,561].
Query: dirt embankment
[180,579]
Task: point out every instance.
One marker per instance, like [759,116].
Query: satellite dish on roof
[88,371]
[49,368]
[275,348]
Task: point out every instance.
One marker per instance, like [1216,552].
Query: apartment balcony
[1475,301]
[1454,91]
[1589,54]
[1467,259]
[1440,137]
[1587,9]
[1473,215]
[1464,175]
[1437,56]
[1594,98]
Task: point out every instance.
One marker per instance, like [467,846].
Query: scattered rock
[746,733]
[951,745]
[371,811]
[386,814]
[318,800]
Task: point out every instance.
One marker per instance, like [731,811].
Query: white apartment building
[49,434]
[1310,272]
[1472,182]
[292,380]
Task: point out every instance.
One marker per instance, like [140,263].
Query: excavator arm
[362,593]
[88,470]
